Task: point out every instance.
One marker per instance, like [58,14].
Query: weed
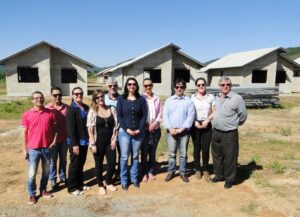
[285,131]
[250,208]
[278,167]
[289,156]
[256,158]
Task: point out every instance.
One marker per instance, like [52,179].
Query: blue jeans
[149,149]
[59,150]
[34,157]
[129,144]
[180,142]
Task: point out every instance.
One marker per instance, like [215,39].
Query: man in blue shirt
[179,116]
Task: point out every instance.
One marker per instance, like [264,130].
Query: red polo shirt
[39,124]
[61,124]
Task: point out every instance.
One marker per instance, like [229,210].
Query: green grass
[278,167]
[14,109]
[250,208]
[2,87]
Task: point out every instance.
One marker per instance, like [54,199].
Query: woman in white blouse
[201,131]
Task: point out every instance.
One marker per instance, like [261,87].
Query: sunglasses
[179,87]
[201,85]
[99,97]
[57,95]
[148,85]
[223,85]
[38,98]
[78,94]
[112,85]
[131,84]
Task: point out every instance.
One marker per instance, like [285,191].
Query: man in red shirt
[38,137]
[60,149]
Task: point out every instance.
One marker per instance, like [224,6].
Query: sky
[106,32]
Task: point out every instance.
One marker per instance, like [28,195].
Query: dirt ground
[158,198]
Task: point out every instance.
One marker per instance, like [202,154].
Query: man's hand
[180,130]
[76,150]
[25,154]
[173,131]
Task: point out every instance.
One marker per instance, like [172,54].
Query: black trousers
[75,178]
[105,150]
[225,150]
[201,140]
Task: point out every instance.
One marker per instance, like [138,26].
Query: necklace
[104,117]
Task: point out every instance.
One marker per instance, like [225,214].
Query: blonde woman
[103,129]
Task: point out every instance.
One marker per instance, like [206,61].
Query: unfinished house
[260,68]
[163,65]
[41,67]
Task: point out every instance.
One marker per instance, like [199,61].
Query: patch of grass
[278,167]
[289,156]
[2,87]
[250,208]
[285,131]
[256,158]
[289,102]
[14,109]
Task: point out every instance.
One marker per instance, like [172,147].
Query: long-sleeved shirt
[179,112]
[132,114]
[155,110]
[230,112]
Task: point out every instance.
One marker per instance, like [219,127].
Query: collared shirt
[61,126]
[110,102]
[179,112]
[230,112]
[132,114]
[40,128]
[203,105]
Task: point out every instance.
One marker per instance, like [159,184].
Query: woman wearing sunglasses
[201,131]
[102,128]
[78,141]
[132,115]
[152,132]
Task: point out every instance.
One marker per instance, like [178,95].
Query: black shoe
[184,178]
[169,177]
[216,179]
[227,185]
[125,187]
[136,185]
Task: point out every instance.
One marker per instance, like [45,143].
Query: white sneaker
[111,187]
[102,191]
[85,187]
[77,192]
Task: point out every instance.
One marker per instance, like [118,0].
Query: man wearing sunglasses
[230,114]
[178,116]
[60,149]
[111,99]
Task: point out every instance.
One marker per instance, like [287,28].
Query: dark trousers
[149,147]
[201,140]
[110,166]
[75,177]
[225,150]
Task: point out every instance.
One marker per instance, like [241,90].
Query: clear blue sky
[108,32]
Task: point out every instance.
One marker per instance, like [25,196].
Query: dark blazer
[76,126]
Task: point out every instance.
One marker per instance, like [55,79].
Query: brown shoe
[32,200]
[169,177]
[184,178]
[46,194]
[198,175]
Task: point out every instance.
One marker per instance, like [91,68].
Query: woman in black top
[102,127]
[77,141]
[132,115]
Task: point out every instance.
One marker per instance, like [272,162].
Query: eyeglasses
[223,85]
[201,85]
[179,87]
[131,84]
[57,95]
[78,94]
[148,85]
[112,85]
[99,97]
[38,98]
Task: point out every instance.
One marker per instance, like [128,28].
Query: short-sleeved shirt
[61,125]
[40,128]
[203,105]
[110,102]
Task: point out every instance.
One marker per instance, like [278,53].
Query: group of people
[123,125]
